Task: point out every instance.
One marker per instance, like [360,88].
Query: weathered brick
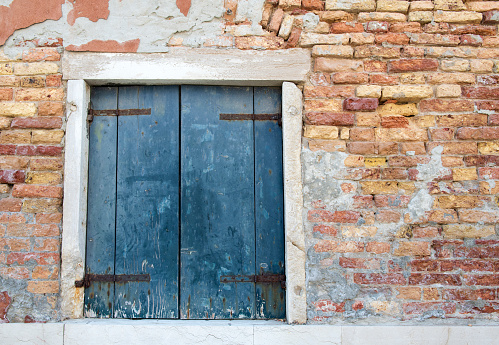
[336,65]
[332,51]
[382,52]
[327,145]
[434,278]
[488,147]
[328,91]
[468,294]
[481,279]
[407,93]
[309,39]
[458,201]
[362,134]
[401,134]
[375,66]
[350,78]
[49,178]
[441,105]
[381,17]
[379,278]
[489,173]
[490,17]
[339,247]
[44,94]
[34,191]
[330,119]
[411,65]
[35,68]
[323,105]
[43,287]
[435,40]
[463,17]
[358,231]
[346,27]
[335,16]
[412,249]
[428,307]
[381,79]
[50,109]
[37,122]
[360,104]
[351,6]
[259,42]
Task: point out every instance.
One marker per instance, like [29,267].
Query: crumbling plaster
[152,22]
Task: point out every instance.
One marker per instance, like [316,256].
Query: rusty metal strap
[250,117]
[88,278]
[119,112]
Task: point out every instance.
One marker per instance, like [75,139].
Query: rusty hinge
[251,117]
[116,112]
[260,278]
[85,282]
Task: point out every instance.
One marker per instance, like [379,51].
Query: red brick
[423,307]
[481,160]
[362,148]
[394,122]
[434,278]
[392,38]
[41,54]
[46,245]
[407,161]
[39,150]
[19,230]
[467,265]
[468,294]
[53,80]
[487,105]
[489,173]
[10,205]
[8,149]
[382,52]
[480,133]
[413,27]
[470,40]
[14,272]
[480,92]
[310,5]
[39,258]
[487,79]
[379,278]
[48,218]
[481,279]
[437,28]
[15,244]
[5,301]
[394,174]
[436,40]
[345,27]
[398,201]
[345,217]
[37,122]
[424,265]
[328,91]
[411,52]
[375,66]
[490,17]
[325,229]
[6,94]
[422,232]
[388,148]
[363,174]
[350,78]
[339,247]
[477,252]
[35,191]
[12,176]
[362,134]
[442,134]
[363,201]
[331,119]
[494,120]
[360,104]
[481,30]
[46,230]
[320,216]
[412,65]
[387,216]
[359,263]
[294,37]
[381,79]
[440,105]
[50,109]
[377,247]
[455,148]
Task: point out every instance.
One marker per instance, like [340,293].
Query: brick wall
[400,153]
[31,164]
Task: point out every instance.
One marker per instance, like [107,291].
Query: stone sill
[89,331]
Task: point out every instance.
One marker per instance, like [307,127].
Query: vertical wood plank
[269,200]
[101,203]
[147,202]
[217,220]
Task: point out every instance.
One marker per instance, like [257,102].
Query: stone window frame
[182,66]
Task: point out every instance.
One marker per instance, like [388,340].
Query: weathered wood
[147,203]
[269,208]
[217,219]
[102,204]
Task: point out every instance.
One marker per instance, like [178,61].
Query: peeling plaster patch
[109,46]
[249,10]
[184,6]
[23,13]
[93,10]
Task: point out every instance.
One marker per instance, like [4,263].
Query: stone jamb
[182,66]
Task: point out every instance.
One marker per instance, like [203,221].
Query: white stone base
[85,332]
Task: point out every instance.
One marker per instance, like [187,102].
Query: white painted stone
[297,335]
[296,303]
[190,66]
[75,198]
[158,332]
[395,335]
[31,334]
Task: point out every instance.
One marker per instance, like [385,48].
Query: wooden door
[185,196]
